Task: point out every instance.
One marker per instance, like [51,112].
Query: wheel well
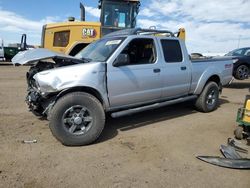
[216,79]
[89,90]
[243,63]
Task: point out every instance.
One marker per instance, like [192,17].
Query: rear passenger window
[172,51]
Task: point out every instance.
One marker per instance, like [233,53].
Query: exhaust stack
[82,12]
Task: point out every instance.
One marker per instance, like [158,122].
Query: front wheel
[209,98]
[242,72]
[77,119]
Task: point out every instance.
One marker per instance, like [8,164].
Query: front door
[138,81]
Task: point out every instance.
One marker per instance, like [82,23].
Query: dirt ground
[151,149]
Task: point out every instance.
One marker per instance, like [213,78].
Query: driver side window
[140,51]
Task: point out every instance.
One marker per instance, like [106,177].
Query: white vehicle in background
[1,50]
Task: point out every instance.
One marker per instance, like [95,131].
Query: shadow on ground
[239,85]
[147,118]
[5,64]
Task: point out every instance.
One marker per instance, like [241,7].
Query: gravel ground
[150,149]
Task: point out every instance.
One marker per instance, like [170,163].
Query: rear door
[176,72]
[139,81]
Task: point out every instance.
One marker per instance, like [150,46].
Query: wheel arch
[213,78]
[85,89]
[216,79]
[241,63]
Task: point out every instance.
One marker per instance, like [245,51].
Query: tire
[209,98]
[238,133]
[77,119]
[242,72]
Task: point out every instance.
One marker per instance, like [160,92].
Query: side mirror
[122,59]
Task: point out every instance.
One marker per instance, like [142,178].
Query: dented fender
[59,80]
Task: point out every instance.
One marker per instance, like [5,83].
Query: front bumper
[34,100]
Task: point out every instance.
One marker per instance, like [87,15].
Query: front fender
[89,75]
[101,96]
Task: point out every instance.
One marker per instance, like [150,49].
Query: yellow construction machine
[72,36]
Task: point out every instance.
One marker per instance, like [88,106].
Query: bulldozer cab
[118,14]
[72,36]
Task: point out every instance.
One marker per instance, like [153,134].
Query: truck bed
[220,66]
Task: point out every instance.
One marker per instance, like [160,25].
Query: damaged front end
[34,101]
[38,104]
[47,77]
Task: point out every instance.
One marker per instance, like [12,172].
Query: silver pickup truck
[123,73]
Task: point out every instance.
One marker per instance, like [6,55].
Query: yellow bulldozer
[72,36]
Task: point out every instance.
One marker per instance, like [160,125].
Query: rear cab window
[172,51]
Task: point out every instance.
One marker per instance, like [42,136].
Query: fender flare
[211,74]
[89,90]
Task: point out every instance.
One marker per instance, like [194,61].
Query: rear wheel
[242,72]
[77,119]
[209,98]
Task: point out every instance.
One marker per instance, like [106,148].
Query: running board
[151,106]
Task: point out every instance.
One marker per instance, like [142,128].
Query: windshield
[237,52]
[100,50]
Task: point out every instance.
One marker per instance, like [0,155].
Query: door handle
[184,68]
[157,70]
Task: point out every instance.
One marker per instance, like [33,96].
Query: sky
[211,26]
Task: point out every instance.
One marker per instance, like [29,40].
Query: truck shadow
[239,85]
[126,123]
[5,64]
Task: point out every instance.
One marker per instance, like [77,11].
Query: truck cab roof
[139,31]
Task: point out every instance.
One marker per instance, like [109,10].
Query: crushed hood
[35,55]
